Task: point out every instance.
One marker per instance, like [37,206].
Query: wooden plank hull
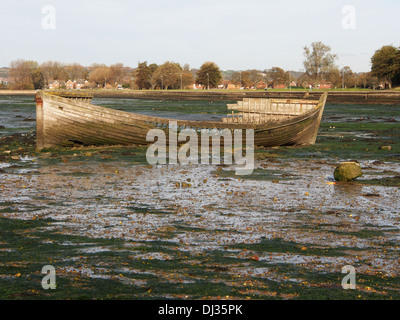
[67,121]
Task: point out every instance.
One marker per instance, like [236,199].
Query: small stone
[371,195]
[15,158]
[185,185]
[347,171]
[387,148]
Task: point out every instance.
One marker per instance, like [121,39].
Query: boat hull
[67,121]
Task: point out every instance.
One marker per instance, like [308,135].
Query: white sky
[236,35]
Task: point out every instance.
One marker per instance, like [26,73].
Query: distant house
[70,85]
[229,85]
[82,83]
[279,86]
[197,86]
[56,84]
[325,85]
[261,85]
[232,86]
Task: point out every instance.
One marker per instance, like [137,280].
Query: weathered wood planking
[68,119]
[266,110]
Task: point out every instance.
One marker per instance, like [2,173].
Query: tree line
[171,75]
[319,67]
[27,75]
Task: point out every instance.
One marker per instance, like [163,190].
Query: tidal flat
[115,227]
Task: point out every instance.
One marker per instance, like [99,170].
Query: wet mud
[115,227]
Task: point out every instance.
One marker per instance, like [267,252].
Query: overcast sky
[237,35]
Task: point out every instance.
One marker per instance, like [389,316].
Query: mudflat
[115,227]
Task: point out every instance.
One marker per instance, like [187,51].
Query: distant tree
[226,74]
[277,76]
[289,78]
[53,70]
[20,74]
[304,80]
[153,67]
[372,81]
[362,79]
[26,75]
[236,78]
[366,80]
[100,76]
[75,71]
[318,61]
[256,76]
[209,74]
[117,72]
[357,80]
[334,76]
[396,80]
[143,75]
[167,75]
[242,79]
[37,78]
[187,77]
[95,66]
[386,64]
[348,77]
[152,80]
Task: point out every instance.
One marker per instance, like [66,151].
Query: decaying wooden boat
[70,118]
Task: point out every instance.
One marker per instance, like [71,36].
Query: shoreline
[338,97]
[17,92]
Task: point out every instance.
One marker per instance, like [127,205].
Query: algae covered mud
[114,227]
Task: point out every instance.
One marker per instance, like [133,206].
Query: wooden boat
[69,118]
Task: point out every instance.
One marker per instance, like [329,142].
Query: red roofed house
[325,85]
[81,84]
[197,86]
[261,85]
[56,84]
[70,85]
[229,85]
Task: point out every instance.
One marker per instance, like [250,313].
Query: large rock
[348,171]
